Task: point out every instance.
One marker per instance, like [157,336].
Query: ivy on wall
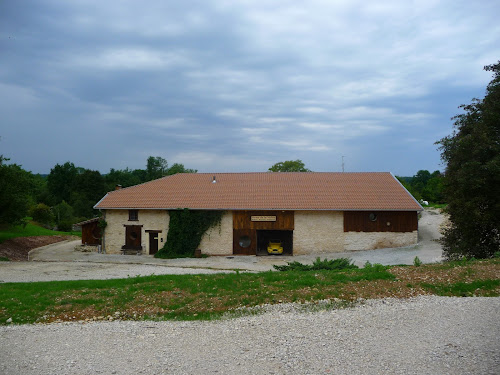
[185,231]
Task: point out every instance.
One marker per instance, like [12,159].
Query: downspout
[103,239]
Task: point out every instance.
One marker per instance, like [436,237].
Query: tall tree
[472,176]
[289,166]
[16,196]
[89,188]
[156,167]
[61,181]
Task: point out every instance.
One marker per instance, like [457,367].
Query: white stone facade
[114,235]
[378,240]
[218,240]
[318,232]
[315,232]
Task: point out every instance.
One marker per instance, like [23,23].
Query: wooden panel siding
[91,233]
[249,250]
[243,220]
[386,221]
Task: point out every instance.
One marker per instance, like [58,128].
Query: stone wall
[379,240]
[318,232]
[149,219]
[218,240]
[315,232]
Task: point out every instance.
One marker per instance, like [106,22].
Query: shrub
[65,226]
[318,264]
[42,214]
[417,262]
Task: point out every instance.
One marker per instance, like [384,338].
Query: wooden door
[133,237]
[244,241]
[153,243]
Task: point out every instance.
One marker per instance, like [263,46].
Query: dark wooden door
[153,243]
[133,237]
[244,241]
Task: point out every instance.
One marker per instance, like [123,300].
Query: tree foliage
[156,167]
[425,186]
[42,214]
[16,192]
[472,177]
[61,181]
[289,166]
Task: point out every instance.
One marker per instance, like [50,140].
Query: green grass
[183,297]
[461,289]
[30,231]
[195,297]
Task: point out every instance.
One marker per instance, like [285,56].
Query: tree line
[68,193]
[425,186]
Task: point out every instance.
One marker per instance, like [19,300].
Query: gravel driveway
[426,335]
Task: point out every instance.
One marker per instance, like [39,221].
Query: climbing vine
[185,230]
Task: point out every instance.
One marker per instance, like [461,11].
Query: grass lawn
[190,297]
[30,231]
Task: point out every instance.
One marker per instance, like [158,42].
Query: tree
[420,180]
[88,189]
[42,214]
[62,212]
[156,167]
[289,166]
[433,190]
[179,168]
[125,178]
[61,180]
[472,176]
[15,192]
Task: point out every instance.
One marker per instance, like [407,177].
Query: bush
[417,262]
[65,226]
[318,264]
[42,214]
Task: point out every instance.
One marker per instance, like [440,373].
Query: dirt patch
[17,249]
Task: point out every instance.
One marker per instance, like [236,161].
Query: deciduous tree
[15,192]
[156,167]
[289,166]
[472,176]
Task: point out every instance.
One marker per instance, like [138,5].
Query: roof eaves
[97,204]
[417,202]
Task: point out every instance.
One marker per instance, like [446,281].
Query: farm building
[307,212]
[91,233]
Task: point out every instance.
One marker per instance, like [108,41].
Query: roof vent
[214,181]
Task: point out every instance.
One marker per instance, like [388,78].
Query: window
[245,241]
[133,215]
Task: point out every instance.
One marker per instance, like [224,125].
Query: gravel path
[425,335]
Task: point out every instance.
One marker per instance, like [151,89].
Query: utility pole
[342,163]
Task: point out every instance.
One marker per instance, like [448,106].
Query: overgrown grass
[190,297]
[31,230]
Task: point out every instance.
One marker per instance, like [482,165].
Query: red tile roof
[267,191]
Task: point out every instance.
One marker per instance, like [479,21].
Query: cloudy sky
[238,85]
